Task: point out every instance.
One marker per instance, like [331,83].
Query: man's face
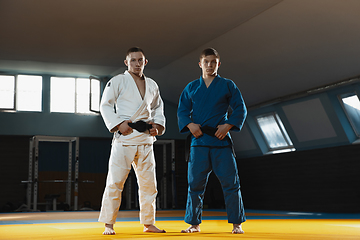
[209,65]
[136,62]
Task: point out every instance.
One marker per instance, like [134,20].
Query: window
[351,104]
[21,93]
[82,95]
[7,92]
[62,95]
[29,93]
[274,133]
[74,95]
[95,95]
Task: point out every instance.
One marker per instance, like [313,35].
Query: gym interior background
[295,62]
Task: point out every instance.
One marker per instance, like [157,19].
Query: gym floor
[259,225]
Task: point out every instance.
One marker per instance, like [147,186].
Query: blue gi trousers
[204,160]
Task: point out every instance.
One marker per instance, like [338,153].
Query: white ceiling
[270,48]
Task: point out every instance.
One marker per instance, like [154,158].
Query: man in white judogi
[137,102]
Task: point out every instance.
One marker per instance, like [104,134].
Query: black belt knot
[211,132]
[140,126]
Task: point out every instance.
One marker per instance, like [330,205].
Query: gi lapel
[144,103]
[205,91]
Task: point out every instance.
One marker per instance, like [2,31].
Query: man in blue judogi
[203,110]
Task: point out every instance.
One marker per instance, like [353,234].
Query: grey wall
[315,120]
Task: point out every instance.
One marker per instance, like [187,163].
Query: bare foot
[109,229]
[237,229]
[192,229]
[153,229]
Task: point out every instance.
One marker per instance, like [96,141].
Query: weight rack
[33,174]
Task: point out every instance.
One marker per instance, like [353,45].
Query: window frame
[340,97]
[51,94]
[14,95]
[16,92]
[285,135]
[76,94]
[90,95]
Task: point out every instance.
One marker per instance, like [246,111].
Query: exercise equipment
[168,177]
[33,174]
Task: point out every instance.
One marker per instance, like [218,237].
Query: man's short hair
[134,49]
[208,52]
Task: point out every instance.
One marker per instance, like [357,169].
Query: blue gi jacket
[208,106]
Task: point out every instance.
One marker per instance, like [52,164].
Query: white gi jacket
[121,91]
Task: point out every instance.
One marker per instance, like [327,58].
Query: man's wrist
[229,126]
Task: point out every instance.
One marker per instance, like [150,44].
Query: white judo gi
[135,149]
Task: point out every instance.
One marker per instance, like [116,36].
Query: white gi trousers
[141,157]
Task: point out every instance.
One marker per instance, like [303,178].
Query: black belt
[140,126]
[211,132]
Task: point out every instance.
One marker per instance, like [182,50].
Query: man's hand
[124,128]
[156,129]
[195,129]
[222,130]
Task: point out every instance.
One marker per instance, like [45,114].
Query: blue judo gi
[208,106]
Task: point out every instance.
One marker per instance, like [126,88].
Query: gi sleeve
[107,105]
[184,110]
[237,104]
[157,108]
